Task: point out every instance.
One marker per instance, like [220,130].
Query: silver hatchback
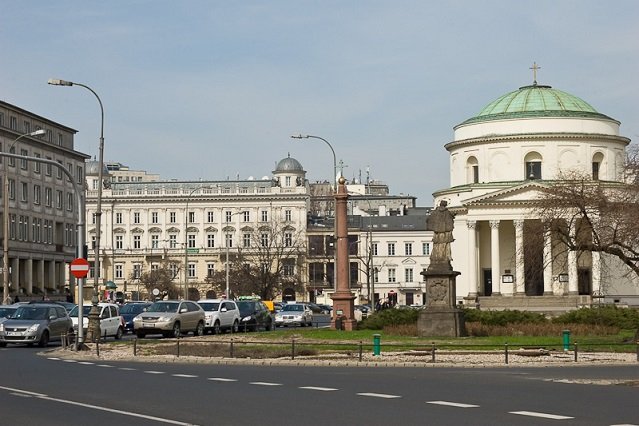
[36,323]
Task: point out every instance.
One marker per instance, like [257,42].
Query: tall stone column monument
[343,298]
[441,317]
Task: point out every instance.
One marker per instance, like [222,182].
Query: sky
[212,90]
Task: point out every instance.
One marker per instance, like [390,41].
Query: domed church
[499,161]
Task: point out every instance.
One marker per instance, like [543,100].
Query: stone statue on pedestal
[441,222]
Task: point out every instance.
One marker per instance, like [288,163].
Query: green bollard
[566,339]
[376,344]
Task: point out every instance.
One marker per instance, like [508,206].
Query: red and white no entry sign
[79,267]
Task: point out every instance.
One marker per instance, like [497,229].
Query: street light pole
[93,332]
[5,257]
[302,136]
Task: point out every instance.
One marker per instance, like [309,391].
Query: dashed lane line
[183,375]
[265,384]
[127,369]
[542,415]
[154,372]
[379,395]
[318,388]
[221,379]
[453,404]
[86,362]
[105,365]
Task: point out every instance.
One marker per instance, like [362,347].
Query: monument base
[343,311]
[441,323]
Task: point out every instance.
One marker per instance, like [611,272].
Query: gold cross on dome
[535,67]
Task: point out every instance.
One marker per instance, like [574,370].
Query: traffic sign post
[79,267]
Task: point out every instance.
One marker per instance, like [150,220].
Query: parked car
[6,311]
[294,314]
[326,309]
[255,315]
[220,315]
[171,318]
[130,310]
[111,323]
[67,305]
[315,308]
[36,323]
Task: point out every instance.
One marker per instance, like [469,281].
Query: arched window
[472,170]
[597,159]
[532,163]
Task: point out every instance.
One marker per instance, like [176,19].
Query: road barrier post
[566,339]
[376,344]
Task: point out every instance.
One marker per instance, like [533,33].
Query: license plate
[13,333]
[148,325]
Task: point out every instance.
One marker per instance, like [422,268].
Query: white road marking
[127,368]
[70,360]
[317,388]
[154,372]
[452,404]
[22,391]
[379,395]
[265,384]
[221,379]
[625,424]
[105,365]
[86,363]
[54,359]
[183,375]
[543,415]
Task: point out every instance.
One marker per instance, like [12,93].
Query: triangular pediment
[518,194]
[409,261]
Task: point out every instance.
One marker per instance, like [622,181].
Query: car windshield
[133,308]
[210,306]
[290,308]
[30,313]
[164,307]
[246,308]
[85,311]
[6,312]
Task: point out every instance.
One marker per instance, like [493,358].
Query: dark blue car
[130,310]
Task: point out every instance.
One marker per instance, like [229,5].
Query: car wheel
[44,339]
[236,327]
[3,344]
[140,335]
[199,330]
[216,328]
[119,333]
[176,330]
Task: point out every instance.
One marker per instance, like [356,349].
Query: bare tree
[268,260]
[162,279]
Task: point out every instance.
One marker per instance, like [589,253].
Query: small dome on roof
[288,164]
[92,167]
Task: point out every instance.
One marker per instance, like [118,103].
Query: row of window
[48,201]
[37,230]
[26,128]
[210,217]
[37,167]
[248,240]
[391,249]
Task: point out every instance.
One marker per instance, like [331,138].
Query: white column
[40,275]
[472,258]
[51,274]
[573,283]
[547,260]
[596,274]
[520,284]
[494,257]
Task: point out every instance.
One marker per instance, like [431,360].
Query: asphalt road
[43,390]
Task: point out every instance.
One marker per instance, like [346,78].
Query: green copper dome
[536,101]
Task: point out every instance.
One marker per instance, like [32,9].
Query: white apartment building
[192,223]
[43,208]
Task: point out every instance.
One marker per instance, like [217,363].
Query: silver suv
[220,315]
[36,323]
[171,318]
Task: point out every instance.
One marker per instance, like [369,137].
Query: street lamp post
[5,258]
[93,332]
[227,243]
[302,136]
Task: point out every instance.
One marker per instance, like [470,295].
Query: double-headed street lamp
[93,332]
[5,257]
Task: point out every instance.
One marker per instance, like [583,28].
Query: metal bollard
[637,351]
[231,349]
[432,352]
[377,346]
[506,353]
[566,339]
[576,351]
[178,347]
[360,351]
[97,347]
[292,348]
[135,346]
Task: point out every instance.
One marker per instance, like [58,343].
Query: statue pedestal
[343,311]
[441,317]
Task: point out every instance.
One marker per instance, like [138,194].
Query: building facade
[499,161]
[43,207]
